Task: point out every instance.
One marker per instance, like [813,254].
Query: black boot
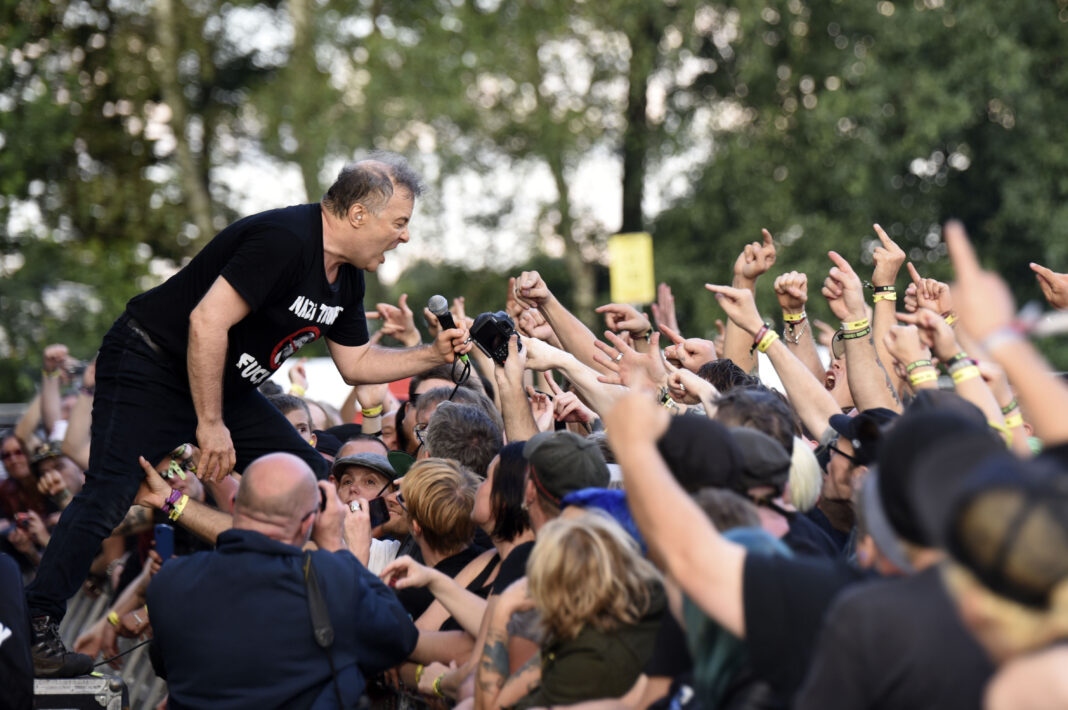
[51,659]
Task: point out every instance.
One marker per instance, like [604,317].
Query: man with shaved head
[186,357]
[233,627]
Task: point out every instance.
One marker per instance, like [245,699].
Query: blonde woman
[600,603]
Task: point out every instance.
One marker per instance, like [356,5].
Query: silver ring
[137,618]
[618,357]
[354,506]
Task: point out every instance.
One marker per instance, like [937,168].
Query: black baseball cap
[864,431]
[700,453]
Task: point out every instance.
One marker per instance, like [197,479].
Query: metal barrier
[146,690]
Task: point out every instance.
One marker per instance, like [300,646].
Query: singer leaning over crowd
[185,358]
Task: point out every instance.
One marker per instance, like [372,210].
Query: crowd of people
[629,521]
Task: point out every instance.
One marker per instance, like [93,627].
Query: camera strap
[320,618]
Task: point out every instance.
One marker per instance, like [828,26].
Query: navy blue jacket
[233,628]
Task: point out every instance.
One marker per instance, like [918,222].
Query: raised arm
[202,520]
[813,403]
[754,260]
[869,382]
[76,441]
[55,359]
[708,568]
[791,289]
[519,422]
[598,396]
[575,337]
[888,258]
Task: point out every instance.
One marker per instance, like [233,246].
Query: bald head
[276,489]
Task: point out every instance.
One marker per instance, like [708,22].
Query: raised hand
[791,289]
[843,290]
[664,308]
[982,298]
[530,290]
[567,407]
[397,321]
[903,342]
[541,407]
[934,332]
[532,324]
[512,306]
[55,357]
[1054,286]
[689,353]
[622,317]
[406,573]
[739,305]
[298,375]
[755,259]
[931,293]
[627,366]
[888,258]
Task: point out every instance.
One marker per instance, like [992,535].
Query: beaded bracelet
[970,372]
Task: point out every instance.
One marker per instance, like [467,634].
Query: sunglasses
[838,451]
[12,454]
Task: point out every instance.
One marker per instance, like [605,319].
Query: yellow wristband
[50,374]
[884,297]
[1014,421]
[113,619]
[419,673]
[372,412]
[855,325]
[793,317]
[922,376]
[770,337]
[1003,430]
[296,390]
[966,373]
[437,686]
[179,508]
[951,319]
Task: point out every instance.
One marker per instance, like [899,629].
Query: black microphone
[440,308]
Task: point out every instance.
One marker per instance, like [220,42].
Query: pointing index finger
[768,241]
[916,278]
[884,237]
[675,337]
[840,262]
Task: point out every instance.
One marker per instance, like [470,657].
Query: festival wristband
[179,508]
[646,336]
[885,289]
[919,378]
[174,497]
[961,364]
[855,325]
[793,317]
[419,673]
[857,334]
[770,337]
[918,364]
[1005,334]
[1010,406]
[113,619]
[966,373]
[437,686]
[956,358]
[1014,421]
[884,297]
[297,390]
[373,411]
[951,318]
[1003,430]
[50,374]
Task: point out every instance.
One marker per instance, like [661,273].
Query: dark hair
[402,436]
[506,496]
[270,387]
[461,396]
[286,403]
[761,409]
[725,375]
[439,372]
[465,433]
[360,436]
[727,509]
[371,183]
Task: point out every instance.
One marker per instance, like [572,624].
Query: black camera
[491,332]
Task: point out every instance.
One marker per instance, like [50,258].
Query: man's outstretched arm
[373,364]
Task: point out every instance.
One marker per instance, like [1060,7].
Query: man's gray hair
[465,433]
[370,182]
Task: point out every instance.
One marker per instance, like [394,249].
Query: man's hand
[623,362]
[512,306]
[153,491]
[620,317]
[327,533]
[397,321]
[1054,286]
[930,293]
[511,371]
[935,333]
[100,637]
[55,358]
[904,344]
[843,290]
[690,353]
[531,291]
[452,343]
[298,376]
[541,407]
[217,455]
[983,300]
[540,355]
[567,407]
[51,484]
[532,324]
[791,289]
[755,260]
[664,308]
[740,307]
[688,388]
[888,258]
[371,396]
[406,573]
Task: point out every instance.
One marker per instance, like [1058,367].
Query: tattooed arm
[138,519]
[493,686]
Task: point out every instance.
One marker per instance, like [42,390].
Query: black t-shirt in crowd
[895,643]
[274,260]
[513,567]
[806,538]
[785,599]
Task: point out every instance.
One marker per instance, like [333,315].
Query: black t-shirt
[274,260]
[895,643]
[820,520]
[415,600]
[513,567]
[806,538]
[785,599]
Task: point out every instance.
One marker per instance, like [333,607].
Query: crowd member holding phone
[185,359]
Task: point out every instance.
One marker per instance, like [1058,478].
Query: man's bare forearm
[205,360]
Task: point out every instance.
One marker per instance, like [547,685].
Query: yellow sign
[630,266]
